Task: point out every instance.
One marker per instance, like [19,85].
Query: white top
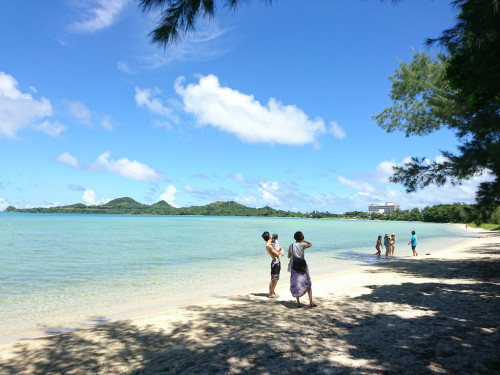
[296,249]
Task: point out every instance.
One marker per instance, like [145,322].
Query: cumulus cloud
[240,114]
[20,110]
[98,15]
[336,130]
[3,204]
[88,198]
[128,168]
[169,195]
[68,159]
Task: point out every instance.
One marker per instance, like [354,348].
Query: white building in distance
[386,208]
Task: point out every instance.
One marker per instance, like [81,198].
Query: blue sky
[269,105]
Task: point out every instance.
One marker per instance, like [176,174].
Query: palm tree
[179,16]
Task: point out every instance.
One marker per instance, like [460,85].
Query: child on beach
[392,241]
[413,243]
[378,246]
[276,245]
[387,245]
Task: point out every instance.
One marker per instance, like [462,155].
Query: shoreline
[257,283]
[385,317]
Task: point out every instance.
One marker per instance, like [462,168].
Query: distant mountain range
[128,206]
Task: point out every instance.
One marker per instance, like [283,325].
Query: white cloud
[190,189]
[336,130]
[357,185]
[3,204]
[123,67]
[441,159]
[238,177]
[143,99]
[384,170]
[233,112]
[21,111]
[68,159]
[105,122]
[50,128]
[98,15]
[84,115]
[88,198]
[169,195]
[128,168]
[269,191]
[80,111]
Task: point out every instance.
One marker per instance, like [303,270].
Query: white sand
[437,313]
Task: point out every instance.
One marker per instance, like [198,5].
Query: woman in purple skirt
[300,282]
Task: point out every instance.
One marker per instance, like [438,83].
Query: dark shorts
[275,269]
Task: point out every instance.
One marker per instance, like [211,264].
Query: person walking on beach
[413,243]
[300,282]
[387,245]
[392,241]
[378,245]
[275,264]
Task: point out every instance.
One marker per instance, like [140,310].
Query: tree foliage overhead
[459,90]
[178,17]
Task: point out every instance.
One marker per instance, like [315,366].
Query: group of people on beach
[390,244]
[300,280]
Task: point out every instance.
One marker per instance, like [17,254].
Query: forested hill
[128,206]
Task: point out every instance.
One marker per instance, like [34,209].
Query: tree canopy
[177,17]
[459,90]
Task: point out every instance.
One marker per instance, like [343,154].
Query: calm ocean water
[59,271]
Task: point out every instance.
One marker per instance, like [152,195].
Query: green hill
[128,206]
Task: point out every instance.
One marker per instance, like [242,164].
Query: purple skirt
[299,282]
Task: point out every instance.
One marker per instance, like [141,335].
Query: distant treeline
[441,213]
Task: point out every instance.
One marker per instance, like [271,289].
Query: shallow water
[59,271]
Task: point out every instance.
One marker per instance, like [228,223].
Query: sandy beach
[437,313]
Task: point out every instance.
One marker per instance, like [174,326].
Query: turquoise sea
[62,271]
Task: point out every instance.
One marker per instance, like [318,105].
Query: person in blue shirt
[413,243]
